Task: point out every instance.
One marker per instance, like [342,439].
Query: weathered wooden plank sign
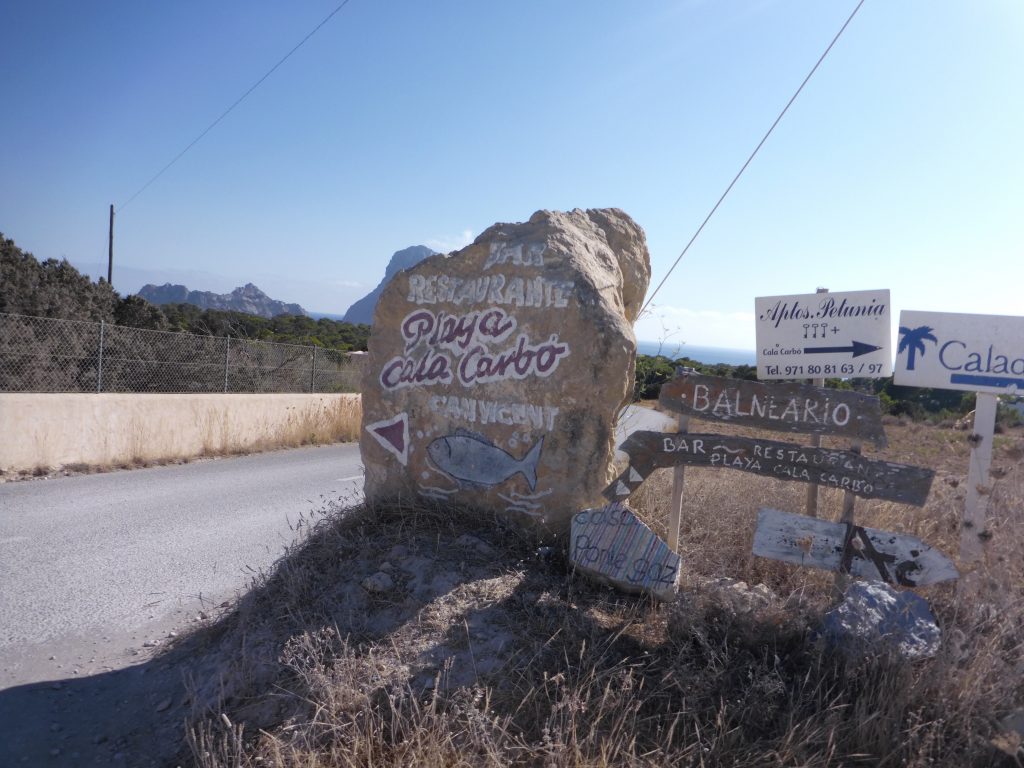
[824,334]
[614,545]
[782,407]
[866,553]
[845,470]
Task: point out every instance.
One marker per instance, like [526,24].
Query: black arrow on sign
[858,348]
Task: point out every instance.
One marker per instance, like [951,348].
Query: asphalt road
[92,567]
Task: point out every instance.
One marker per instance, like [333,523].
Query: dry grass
[336,422]
[485,651]
[316,424]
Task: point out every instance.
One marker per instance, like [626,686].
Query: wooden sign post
[842,580]
[675,516]
[782,407]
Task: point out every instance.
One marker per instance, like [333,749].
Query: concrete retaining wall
[54,430]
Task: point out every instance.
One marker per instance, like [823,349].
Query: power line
[238,101]
[752,155]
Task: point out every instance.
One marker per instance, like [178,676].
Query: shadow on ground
[131,717]
[137,716]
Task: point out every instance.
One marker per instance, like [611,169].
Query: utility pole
[110,249]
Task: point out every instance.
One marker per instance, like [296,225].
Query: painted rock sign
[823,334]
[948,350]
[867,553]
[494,374]
[782,407]
[613,545]
[845,470]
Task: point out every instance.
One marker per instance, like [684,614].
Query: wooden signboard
[845,470]
[867,553]
[782,407]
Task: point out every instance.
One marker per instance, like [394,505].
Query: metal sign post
[972,353]
[974,533]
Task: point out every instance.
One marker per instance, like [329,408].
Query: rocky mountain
[362,310]
[247,298]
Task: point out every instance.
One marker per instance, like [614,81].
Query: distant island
[247,298]
[362,310]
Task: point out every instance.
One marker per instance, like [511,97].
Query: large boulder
[495,374]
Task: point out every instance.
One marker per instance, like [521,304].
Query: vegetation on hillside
[55,289]
[50,288]
[283,329]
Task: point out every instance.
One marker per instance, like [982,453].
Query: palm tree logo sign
[912,342]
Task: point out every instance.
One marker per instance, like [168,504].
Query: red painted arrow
[393,435]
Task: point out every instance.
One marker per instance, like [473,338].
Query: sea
[706,355]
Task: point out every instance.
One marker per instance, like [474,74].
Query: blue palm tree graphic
[912,342]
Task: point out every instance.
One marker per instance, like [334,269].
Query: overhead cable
[238,101]
[752,155]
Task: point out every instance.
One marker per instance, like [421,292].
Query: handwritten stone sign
[819,335]
[613,545]
[783,407]
[976,353]
[494,374]
[867,553]
[845,470]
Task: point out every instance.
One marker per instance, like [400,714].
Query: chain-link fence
[39,354]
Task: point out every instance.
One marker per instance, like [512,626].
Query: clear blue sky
[901,165]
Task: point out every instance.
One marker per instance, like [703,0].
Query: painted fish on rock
[474,460]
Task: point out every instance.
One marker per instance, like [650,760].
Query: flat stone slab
[614,546]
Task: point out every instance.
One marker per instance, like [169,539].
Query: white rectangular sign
[819,335]
[948,350]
